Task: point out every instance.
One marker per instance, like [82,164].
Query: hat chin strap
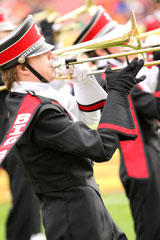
[39,76]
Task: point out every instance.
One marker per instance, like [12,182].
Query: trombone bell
[128,38]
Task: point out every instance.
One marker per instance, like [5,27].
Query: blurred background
[106,174]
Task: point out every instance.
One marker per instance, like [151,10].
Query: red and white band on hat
[23,42]
[100,24]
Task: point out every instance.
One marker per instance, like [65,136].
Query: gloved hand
[124,79]
[150,83]
[78,72]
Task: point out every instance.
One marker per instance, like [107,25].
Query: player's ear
[21,68]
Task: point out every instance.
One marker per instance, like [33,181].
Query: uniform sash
[27,110]
[133,152]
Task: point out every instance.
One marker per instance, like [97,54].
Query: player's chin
[52,73]
[51,77]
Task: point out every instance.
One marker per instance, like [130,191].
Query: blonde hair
[9,76]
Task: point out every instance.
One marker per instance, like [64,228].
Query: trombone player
[53,144]
[25,209]
[139,165]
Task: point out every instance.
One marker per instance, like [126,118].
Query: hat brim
[46,47]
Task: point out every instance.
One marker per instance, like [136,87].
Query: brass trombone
[129,38]
[149,33]
[89,7]
[116,55]
[53,16]
[80,61]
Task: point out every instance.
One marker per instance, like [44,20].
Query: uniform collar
[38,88]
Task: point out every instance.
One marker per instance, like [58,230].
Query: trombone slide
[73,61]
[124,54]
[69,76]
[119,68]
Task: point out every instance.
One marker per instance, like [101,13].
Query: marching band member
[139,168]
[23,220]
[139,165]
[53,143]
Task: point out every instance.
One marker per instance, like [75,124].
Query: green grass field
[116,203]
[118,206]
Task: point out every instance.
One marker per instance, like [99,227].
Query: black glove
[124,80]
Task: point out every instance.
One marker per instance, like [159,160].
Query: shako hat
[5,25]
[100,24]
[23,42]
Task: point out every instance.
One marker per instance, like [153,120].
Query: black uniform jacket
[139,172]
[3,112]
[147,107]
[57,153]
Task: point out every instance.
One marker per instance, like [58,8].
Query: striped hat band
[23,42]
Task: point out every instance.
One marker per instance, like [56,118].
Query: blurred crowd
[147,11]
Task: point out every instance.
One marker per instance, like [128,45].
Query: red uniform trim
[157,94]
[140,87]
[117,128]
[92,107]
[24,43]
[133,153]
[99,24]
[22,119]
